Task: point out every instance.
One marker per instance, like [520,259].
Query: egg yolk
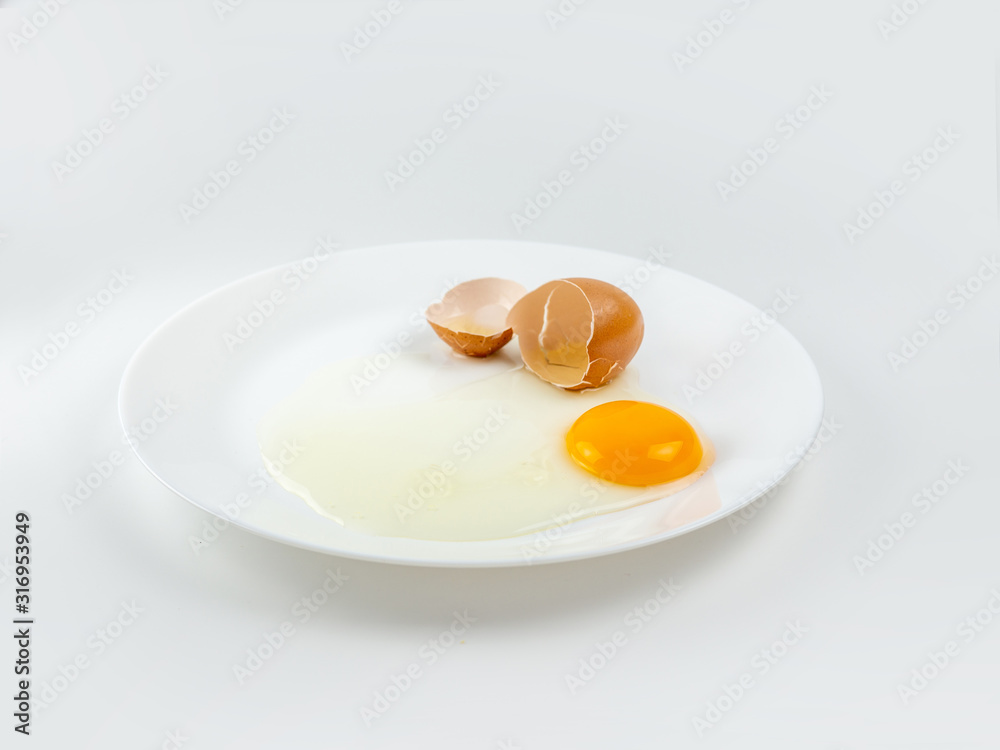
[634,443]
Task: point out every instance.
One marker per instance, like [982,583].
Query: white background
[505,685]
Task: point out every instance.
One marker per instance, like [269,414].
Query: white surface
[895,431]
[228,359]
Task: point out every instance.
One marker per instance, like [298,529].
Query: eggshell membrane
[577,333]
[554,324]
[471,316]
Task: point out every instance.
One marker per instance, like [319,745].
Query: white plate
[761,412]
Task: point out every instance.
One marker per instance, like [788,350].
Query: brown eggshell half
[577,333]
[472,316]
[618,331]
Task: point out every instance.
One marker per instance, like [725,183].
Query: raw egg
[422,457]
[635,443]
[472,316]
[577,333]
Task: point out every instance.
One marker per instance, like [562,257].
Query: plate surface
[222,362]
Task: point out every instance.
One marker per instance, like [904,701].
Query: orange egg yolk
[634,443]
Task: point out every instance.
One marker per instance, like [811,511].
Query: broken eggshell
[472,316]
[577,333]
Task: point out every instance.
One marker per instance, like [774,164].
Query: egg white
[485,460]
